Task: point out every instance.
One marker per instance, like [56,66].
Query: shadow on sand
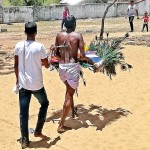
[93,116]
[44,143]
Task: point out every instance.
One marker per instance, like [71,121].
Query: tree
[103,19]
[33,2]
[1,3]
[16,2]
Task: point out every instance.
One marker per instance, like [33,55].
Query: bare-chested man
[69,69]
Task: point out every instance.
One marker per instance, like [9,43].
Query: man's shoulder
[129,6]
[61,34]
[72,34]
[20,44]
[76,33]
[37,45]
[65,33]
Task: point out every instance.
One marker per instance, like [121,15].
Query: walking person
[131,13]
[69,68]
[29,57]
[66,13]
[146,19]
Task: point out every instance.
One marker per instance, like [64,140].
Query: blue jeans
[145,25]
[62,24]
[24,101]
[131,22]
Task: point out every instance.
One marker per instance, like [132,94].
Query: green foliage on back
[30,2]
[40,2]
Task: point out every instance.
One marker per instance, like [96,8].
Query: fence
[41,13]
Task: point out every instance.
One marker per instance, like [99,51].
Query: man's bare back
[72,42]
[68,43]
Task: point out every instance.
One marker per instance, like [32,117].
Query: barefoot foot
[40,135]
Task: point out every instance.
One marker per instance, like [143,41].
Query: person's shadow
[93,116]
[44,143]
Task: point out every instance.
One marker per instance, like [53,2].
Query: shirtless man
[69,69]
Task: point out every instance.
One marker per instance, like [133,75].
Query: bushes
[29,2]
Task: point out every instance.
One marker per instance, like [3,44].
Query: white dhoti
[71,73]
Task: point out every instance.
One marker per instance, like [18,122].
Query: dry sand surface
[113,114]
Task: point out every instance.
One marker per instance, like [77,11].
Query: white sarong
[71,73]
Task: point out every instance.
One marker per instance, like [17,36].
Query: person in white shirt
[131,13]
[29,58]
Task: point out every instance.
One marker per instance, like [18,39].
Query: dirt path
[113,115]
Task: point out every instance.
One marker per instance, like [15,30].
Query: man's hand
[126,16]
[98,67]
[17,82]
[52,48]
[51,51]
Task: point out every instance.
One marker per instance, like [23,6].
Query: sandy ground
[113,114]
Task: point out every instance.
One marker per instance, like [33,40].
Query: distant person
[29,58]
[131,13]
[69,67]
[66,13]
[145,19]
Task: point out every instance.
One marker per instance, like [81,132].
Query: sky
[72,2]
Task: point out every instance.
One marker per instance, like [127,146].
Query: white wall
[24,14]
[1,14]
[79,11]
[17,14]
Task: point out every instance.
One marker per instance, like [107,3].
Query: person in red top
[146,19]
[65,15]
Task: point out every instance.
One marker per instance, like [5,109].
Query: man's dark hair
[30,27]
[70,22]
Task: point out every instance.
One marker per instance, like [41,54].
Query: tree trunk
[26,2]
[139,1]
[103,19]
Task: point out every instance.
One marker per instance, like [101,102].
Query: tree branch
[103,19]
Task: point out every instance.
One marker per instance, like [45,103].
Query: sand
[113,114]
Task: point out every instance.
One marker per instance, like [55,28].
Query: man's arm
[137,13]
[45,62]
[68,13]
[82,51]
[127,12]
[16,62]
[56,49]
[136,10]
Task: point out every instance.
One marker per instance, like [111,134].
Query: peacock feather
[111,54]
